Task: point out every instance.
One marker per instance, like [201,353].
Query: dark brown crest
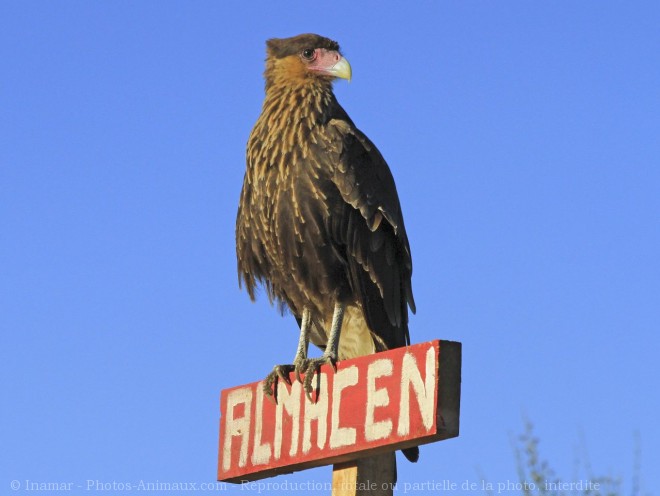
[283,47]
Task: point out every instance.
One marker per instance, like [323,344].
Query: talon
[307,386]
[299,367]
[309,390]
[282,374]
[279,372]
[270,388]
[311,372]
[271,397]
[306,370]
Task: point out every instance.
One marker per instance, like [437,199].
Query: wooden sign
[376,403]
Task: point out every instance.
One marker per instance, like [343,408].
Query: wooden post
[372,476]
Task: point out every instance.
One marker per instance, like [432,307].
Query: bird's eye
[308,53]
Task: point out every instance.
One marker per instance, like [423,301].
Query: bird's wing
[371,233]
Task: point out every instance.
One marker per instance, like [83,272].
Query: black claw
[309,389]
[279,372]
[306,371]
[312,371]
[270,388]
[283,373]
[272,397]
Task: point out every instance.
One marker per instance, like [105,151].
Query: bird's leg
[331,350]
[303,344]
[282,371]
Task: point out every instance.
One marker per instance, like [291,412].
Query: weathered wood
[370,406]
[371,476]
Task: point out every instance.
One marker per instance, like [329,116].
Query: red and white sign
[372,404]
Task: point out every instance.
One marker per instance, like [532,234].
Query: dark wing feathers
[342,200]
[378,253]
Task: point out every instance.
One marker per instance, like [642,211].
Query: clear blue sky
[525,141]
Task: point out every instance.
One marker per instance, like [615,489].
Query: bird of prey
[319,222]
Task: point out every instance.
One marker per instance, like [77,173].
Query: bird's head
[305,58]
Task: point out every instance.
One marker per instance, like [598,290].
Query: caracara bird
[319,221]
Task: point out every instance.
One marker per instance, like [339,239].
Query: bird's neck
[307,103]
[290,117]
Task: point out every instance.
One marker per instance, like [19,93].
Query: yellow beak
[342,69]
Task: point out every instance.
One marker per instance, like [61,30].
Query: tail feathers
[412,454]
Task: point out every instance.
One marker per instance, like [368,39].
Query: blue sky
[523,137]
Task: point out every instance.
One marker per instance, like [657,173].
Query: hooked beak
[342,69]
